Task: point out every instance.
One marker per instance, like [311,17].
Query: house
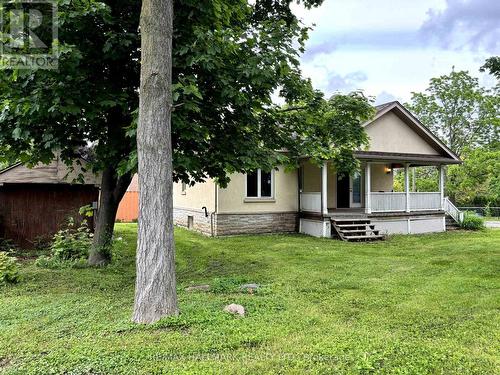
[34,203]
[316,201]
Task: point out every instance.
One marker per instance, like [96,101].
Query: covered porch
[323,192]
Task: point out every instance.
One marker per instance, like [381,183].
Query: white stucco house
[315,201]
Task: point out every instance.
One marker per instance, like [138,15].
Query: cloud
[344,83]
[465,23]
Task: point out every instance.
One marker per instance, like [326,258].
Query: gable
[389,133]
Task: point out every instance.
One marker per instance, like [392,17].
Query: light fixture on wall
[387,169]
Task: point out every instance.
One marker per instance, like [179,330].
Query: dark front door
[343,196]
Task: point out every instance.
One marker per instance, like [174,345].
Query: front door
[349,191]
[355,190]
[343,192]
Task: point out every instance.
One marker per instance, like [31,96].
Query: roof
[55,172]
[424,132]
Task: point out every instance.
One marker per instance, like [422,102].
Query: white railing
[396,202]
[388,202]
[425,201]
[452,210]
[310,202]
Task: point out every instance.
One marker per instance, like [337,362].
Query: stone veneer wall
[231,224]
[201,223]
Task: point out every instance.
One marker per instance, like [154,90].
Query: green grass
[410,305]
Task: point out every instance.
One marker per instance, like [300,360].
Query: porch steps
[355,229]
[451,224]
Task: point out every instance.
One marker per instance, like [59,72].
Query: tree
[493,66]
[155,292]
[88,101]
[229,58]
[459,111]
[477,181]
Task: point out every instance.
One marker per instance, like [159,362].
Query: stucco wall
[381,181]
[197,196]
[232,199]
[391,134]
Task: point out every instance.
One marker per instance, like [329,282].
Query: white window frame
[259,185]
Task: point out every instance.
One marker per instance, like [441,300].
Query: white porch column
[368,188]
[441,184]
[407,186]
[324,188]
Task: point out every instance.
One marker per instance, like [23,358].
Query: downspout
[213,215]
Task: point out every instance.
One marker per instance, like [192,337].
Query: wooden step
[354,225]
[360,231]
[374,237]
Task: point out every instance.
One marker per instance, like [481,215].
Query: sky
[391,48]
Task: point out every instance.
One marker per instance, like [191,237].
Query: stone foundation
[193,219]
[231,224]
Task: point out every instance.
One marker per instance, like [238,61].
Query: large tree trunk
[155,294]
[113,187]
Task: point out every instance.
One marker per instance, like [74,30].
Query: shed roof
[55,172]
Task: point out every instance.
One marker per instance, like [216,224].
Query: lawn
[409,305]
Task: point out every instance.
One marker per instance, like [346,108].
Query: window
[260,184]
[183,188]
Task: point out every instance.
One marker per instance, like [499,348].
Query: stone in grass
[198,288]
[250,287]
[235,309]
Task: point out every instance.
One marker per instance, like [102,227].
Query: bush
[472,221]
[70,247]
[9,272]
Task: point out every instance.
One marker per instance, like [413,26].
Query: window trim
[259,186]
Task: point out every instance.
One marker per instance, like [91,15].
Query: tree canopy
[229,59]
[460,111]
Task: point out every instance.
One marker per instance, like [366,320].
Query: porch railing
[388,202]
[452,210]
[310,202]
[425,201]
[396,202]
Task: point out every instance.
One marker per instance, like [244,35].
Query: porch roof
[414,159]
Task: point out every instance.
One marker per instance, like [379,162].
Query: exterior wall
[128,210]
[410,225]
[315,228]
[391,134]
[311,178]
[271,222]
[232,199]
[381,181]
[195,197]
[29,212]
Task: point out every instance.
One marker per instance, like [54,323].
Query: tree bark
[155,295]
[113,187]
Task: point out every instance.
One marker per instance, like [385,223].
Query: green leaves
[459,110]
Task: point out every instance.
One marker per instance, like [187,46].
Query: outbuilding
[36,202]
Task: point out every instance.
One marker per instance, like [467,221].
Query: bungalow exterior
[316,201]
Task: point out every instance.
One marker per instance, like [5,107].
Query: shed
[36,202]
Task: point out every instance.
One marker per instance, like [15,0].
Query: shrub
[9,272]
[472,221]
[70,247]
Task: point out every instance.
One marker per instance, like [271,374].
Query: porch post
[441,184]
[407,186]
[324,188]
[368,186]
